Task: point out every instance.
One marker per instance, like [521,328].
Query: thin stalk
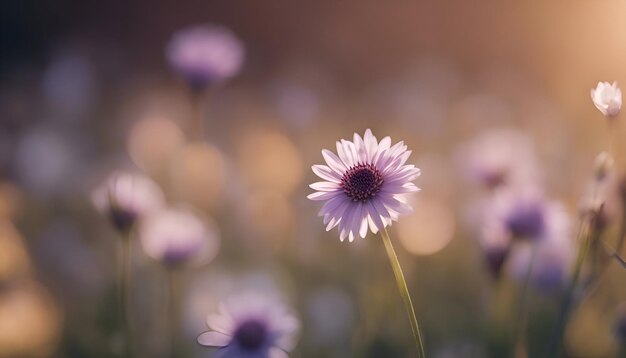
[584,237]
[125,283]
[173,311]
[522,318]
[404,291]
[198,115]
[622,230]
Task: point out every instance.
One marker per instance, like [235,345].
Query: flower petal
[333,161]
[220,323]
[324,186]
[323,195]
[277,353]
[214,339]
[326,173]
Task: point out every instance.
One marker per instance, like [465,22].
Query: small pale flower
[607,98]
[365,185]
[251,326]
[176,237]
[205,55]
[125,197]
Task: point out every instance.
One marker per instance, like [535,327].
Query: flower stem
[197,98]
[173,311]
[124,297]
[584,237]
[404,291]
[522,318]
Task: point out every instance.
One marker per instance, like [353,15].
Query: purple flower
[176,237]
[125,197]
[365,185]
[251,326]
[205,55]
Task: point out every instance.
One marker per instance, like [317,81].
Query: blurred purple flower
[175,237]
[251,326]
[125,197]
[524,213]
[499,157]
[366,185]
[205,55]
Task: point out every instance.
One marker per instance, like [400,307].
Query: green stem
[584,236]
[522,319]
[173,311]
[124,299]
[404,291]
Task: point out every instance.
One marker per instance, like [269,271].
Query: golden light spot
[428,230]
[29,321]
[152,143]
[14,260]
[270,160]
[197,175]
[271,214]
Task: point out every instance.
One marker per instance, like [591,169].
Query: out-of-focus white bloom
[499,157]
[205,55]
[251,326]
[607,98]
[175,237]
[366,185]
[125,197]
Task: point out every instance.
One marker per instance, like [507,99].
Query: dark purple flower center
[251,335]
[362,182]
[527,221]
[122,219]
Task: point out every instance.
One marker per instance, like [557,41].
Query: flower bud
[607,98]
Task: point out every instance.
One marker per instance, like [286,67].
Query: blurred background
[85,88]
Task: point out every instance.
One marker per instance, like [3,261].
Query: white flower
[125,197]
[365,185]
[176,237]
[607,98]
[251,326]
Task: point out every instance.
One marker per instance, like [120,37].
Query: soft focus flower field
[235,179]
